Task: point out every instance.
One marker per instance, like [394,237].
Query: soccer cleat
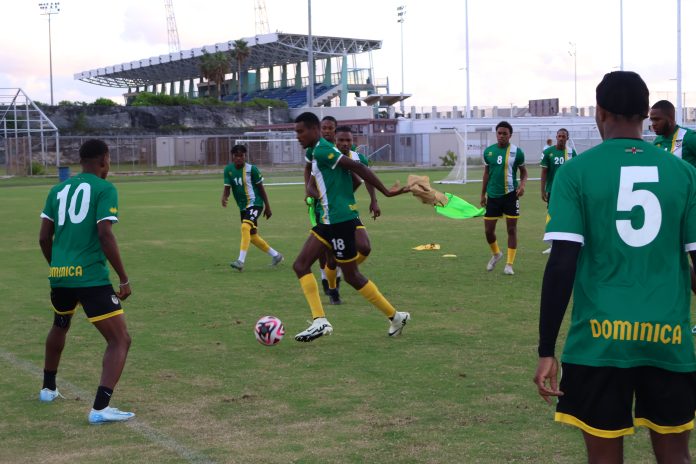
[493,261]
[108,414]
[334,297]
[320,326]
[46,395]
[546,251]
[276,260]
[238,265]
[398,322]
[338,282]
[508,270]
[325,286]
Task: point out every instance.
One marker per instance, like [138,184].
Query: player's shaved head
[624,93]
[308,119]
[666,107]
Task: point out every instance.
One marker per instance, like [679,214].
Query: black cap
[624,93]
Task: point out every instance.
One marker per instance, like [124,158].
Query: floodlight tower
[172,31]
[261,17]
[48,9]
[401,15]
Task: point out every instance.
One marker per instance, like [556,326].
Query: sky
[518,50]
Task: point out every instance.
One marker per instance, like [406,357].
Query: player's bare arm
[267,206]
[484,185]
[523,180]
[368,176]
[46,238]
[110,248]
[225,195]
[544,195]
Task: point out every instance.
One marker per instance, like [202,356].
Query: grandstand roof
[267,50]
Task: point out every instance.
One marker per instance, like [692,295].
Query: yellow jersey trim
[326,244]
[571,420]
[105,316]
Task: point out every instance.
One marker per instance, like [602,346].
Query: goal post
[473,138]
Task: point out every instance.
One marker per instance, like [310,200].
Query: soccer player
[620,219]
[245,182]
[671,137]
[336,228]
[344,143]
[76,239]
[500,193]
[551,160]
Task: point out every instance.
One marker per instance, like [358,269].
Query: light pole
[574,53]
[49,9]
[401,14]
[680,119]
[466,20]
[621,32]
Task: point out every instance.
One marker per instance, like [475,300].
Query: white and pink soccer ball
[269,330]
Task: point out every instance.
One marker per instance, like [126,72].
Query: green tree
[214,66]
[241,53]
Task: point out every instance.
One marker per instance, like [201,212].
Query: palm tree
[214,66]
[240,52]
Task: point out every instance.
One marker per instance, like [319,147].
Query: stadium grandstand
[276,68]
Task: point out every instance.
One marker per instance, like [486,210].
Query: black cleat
[325,286]
[334,297]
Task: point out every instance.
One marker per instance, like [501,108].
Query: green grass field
[455,388]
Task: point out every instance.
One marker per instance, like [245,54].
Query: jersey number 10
[77,213]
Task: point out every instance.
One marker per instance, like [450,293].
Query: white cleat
[508,270]
[546,251]
[493,261]
[46,395]
[108,414]
[398,322]
[320,326]
[277,259]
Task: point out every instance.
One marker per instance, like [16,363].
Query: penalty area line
[138,425]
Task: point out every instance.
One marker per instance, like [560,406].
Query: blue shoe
[108,414]
[46,395]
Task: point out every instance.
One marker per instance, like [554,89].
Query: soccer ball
[269,330]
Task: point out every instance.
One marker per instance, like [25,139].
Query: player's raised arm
[368,176]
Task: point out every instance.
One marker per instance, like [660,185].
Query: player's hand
[520,190]
[545,197]
[311,190]
[124,291]
[484,200]
[396,190]
[374,209]
[546,378]
[224,202]
[267,213]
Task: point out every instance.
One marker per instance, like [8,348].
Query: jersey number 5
[629,199]
[76,215]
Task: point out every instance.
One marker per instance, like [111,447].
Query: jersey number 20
[629,198]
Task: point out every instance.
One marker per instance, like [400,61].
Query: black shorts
[340,238]
[251,215]
[508,205]
[600,400]
[98,302]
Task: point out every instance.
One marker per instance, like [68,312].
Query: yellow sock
[260,243]
[371,293]
[311,293]
[495,249]
[361,258]
[511,255]
[246,237]
[331,276]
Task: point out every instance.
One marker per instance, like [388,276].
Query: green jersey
[634,211]
[245,185]
[682,143]
[552,159]
[502,169]
[75,207]
[336,201]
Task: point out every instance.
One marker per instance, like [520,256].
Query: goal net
[272,148]
[473,138]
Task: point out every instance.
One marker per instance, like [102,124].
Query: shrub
[104,102]
[450,158]
[36,169]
